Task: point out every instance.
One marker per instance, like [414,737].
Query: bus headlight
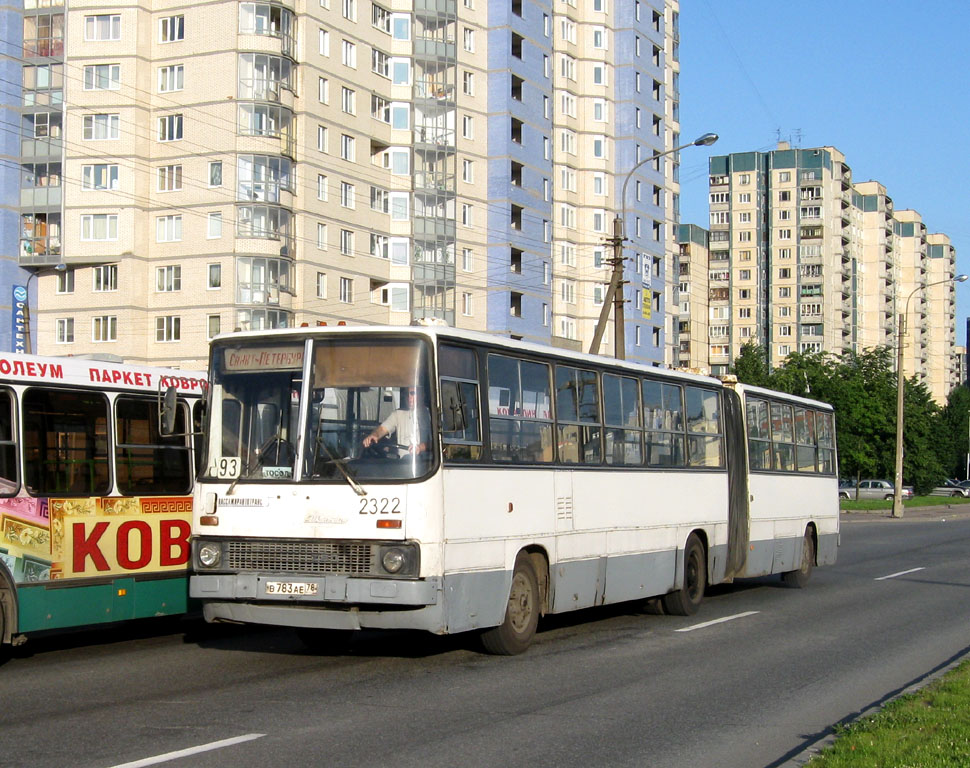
[210,555]
[393,560]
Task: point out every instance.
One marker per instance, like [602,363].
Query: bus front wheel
[515,633]
[686,600]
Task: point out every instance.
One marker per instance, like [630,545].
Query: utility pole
[614,293]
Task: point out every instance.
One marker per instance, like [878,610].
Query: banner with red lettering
[44,539]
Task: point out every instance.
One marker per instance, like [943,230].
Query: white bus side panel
[782,506]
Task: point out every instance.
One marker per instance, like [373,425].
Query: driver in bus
[409,427]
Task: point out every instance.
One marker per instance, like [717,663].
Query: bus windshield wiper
[341,465]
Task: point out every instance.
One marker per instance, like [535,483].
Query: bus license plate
[290,588]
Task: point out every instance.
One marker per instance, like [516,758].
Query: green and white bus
[95,505]
[444,480]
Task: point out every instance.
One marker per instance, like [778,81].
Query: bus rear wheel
[515,633]
[799,578]
[686,600]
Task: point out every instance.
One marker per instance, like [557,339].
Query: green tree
[955,432]
[751,365]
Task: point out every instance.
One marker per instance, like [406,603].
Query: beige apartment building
[800,259]
[247,165]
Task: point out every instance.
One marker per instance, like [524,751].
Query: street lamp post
[57,268]
[614,293]
[900,380]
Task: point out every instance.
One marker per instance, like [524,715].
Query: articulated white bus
[444,480]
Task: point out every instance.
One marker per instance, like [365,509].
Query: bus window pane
[460,429]
[535,442]
[146,462]
[805,439]
[503,385]
[704,451]
[567,400]
[702,412]
[665,449]
[579,444]
[457,362]
[826,461]
[783,435]
[8,449]
[759,434]
[623,447]
[66,443]
[621,405]
[536,397]
[823,422]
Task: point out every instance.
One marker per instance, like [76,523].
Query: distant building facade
[800,259]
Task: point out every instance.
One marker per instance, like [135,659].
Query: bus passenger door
[563,482]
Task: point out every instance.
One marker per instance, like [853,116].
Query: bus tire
[686,600]
[799,578]
[515,633]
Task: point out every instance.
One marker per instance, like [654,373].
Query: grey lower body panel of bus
[781,555]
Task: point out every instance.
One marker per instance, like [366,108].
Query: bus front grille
[300,557]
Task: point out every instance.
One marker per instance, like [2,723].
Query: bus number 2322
[372,505]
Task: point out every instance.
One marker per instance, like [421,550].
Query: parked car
[952,488]
[846,489]
[875,489]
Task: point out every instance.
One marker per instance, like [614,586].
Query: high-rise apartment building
[200,168]
[800,259]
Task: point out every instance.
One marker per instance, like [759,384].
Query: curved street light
[900,381]
[27,330]
[614,293]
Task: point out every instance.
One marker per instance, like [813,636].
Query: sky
[883,82]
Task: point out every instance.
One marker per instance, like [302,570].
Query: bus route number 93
[383,505]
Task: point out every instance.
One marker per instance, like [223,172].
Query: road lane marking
[190,751]
[901,573]
[717,621]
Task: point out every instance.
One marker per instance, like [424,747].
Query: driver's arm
[379,431]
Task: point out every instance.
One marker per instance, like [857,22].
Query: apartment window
[599,74]
[321,187]
[784,292]
[346,290]
[784,234]
[380,63]
[466,215]
[744,274]
[65,330]
[348,100]
[567,254]
[599,146]
[401,71]
[321,285]
[171,78]
[102,77]
[170,178]
[567,216]
[567,291]
[599,38]
[99,226]
[102,27]
[348,54]
[323,90]
[170,128]
[104,328]
[213,326]
[468,83]
[349,9]
[568,104]
[468,39]
[322,236]
[322,135]
[468,171]
[467,127]
[744,217]
[744,313]
[346,242]
[784,273]
[171,29]
[466,259]
[466,303]
[744,293]
[784,311]
[215,173]
[214,226]
[104,278]
[168,279]
[99,177]
[347,195]
[784,214]
[168,229]
[214,276]
[99,127]
[380,200]
[744,178]
[348,147]
[784,176]
[323,42]
[567,142]
[168,328]
[784,196]
[784,253]
[784,331]
[745,236]
[567,328]
[600,114]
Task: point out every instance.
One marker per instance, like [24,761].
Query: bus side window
[759,434]
[460,427]
[8,448]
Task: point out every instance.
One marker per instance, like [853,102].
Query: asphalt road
[606,687]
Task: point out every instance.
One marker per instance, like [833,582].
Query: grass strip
[926,729]
[917,501]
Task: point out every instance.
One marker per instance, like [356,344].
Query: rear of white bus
[309,512]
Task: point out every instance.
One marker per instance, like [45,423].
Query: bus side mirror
[167,407]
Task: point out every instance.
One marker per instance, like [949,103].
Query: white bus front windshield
[368,416]
[370,411]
